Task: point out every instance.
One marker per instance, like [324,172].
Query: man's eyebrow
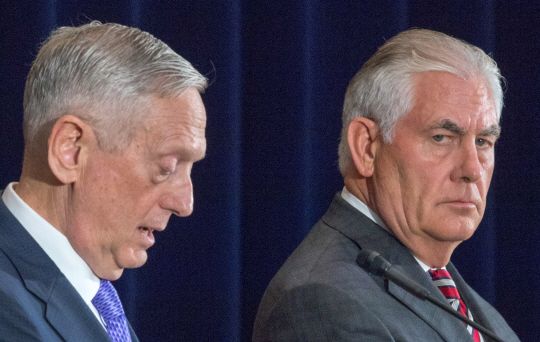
[493,130]
[448,125]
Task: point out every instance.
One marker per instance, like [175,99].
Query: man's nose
[179,197]
[469,166]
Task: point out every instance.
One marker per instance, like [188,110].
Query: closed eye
[162,175]
[164,172]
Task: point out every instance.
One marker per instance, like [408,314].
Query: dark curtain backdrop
[279,71]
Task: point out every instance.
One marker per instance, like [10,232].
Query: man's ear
[69,138]
[362,137]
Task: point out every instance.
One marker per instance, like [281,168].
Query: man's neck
[433,253]
[45,199]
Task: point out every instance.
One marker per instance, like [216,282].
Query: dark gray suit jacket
[321,294]
[37,302]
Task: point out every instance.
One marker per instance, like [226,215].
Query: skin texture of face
[120,199]
[430,184]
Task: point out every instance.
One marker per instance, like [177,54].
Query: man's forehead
[448,87]
[440,98]
[186,108]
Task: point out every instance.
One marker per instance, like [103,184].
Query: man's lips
[151,229]
[146,229]
[462,203]
[148,234]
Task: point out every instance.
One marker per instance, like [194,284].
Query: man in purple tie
[420,122]
[113,123]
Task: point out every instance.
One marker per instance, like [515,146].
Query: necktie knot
[110,308]
[107,301]
[446,284]
[439,273]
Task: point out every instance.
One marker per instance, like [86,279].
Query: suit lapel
[66,311]
[482,311]
[365,233]
[70,316]
[447,326]
[471,300]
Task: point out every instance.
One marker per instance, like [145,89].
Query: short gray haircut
[383,89]
[107,71]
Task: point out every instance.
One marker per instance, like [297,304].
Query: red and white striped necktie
[444,282]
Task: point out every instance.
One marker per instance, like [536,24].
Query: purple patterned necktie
[109,307]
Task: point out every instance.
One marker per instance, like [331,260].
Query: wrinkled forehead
[175,118]
[186,108]
[444,96]
[443,83]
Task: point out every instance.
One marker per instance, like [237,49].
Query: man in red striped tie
[420,122]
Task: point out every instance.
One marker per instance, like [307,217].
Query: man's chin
[121,262]
[454,231]
[137,259]
[109,273]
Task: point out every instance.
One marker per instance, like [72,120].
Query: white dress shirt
[56,246]
[364,209]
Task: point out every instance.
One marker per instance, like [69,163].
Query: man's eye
[163,175]
[438,137]
[481,142]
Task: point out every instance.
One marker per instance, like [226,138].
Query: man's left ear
[69,141]
[363,139]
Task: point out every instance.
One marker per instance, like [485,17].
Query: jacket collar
[65,309]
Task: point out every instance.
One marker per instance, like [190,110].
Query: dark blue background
[279,71]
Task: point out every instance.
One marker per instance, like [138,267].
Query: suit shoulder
[321,273]
[319,312]
[323,251]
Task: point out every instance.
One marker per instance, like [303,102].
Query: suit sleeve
[318,312]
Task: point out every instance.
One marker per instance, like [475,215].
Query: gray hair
[108,71]
[383,89]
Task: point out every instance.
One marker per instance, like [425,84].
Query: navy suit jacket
[321,294]
[37,302]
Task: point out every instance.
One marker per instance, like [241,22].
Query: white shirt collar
[364,209]
[56,245]
[424,266]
